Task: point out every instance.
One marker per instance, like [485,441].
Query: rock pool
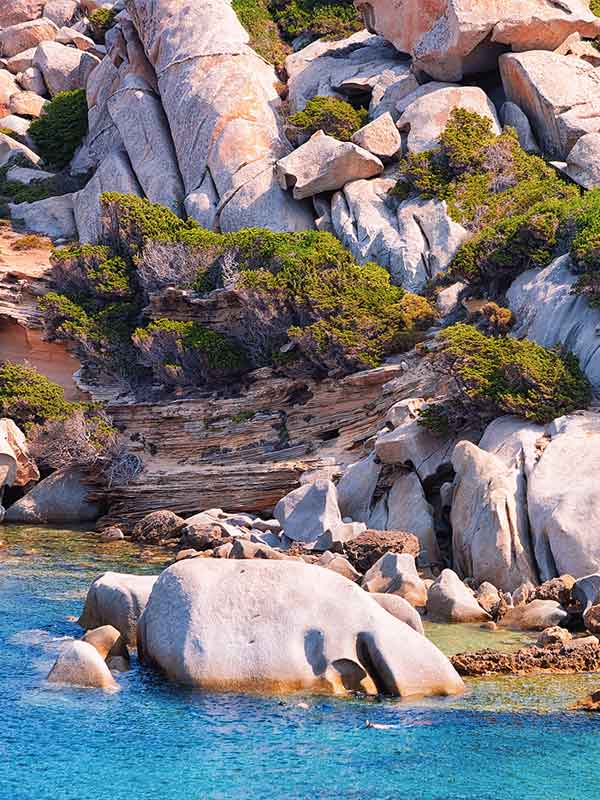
[504,739]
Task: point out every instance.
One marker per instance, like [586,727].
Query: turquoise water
[503,740]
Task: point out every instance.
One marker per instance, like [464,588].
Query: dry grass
[32,242]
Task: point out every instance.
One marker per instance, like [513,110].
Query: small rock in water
[112,534]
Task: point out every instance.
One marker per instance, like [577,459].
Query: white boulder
[80,664]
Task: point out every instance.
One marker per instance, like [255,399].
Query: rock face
[557,93]
[17,11]
[62,498]
[309,511]
[563,498]
[11,149]
[17,467]
[51,217]
[337,638]
[380,137]
[325,164]
[583,161]
[449,38]
[397,574]
[64,68]
[549,314]
[221,105]
[425,113]
[80,664]
[490,539]
[535,616]
[512,117]
[414,239]
[451,601]
[360,65]
[117,599]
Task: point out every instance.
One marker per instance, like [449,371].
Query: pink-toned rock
[450,38]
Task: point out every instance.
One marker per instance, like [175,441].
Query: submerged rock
[338,639]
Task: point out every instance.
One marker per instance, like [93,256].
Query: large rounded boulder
[117,599]
[278,626]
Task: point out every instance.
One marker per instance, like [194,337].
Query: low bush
[28,397]
[316,19]
[265,38]
[59,131]
[502,375]
[32,242]
[515,204]
[331,115]
[101,20]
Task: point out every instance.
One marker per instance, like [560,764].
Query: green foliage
[28,397]
[503,375]
[61,127]
[515,204]
[316,19]
[329,114]
[101,20]
[256,18]
[595,7]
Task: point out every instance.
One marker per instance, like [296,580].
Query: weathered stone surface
[61,498]
[245,549]
[71,36]
[414,239]
[557,93]
[19,125]
[583,161]
[114,174]
[141,121]
[157,526]
[117,599]
[364,551]
[25,175]
[21,61]
[80,664]
[358,65]
[552,636]
[396,573]
[411,444]
[17,11]
[324,164]
[340,533]
[535,616]
[8,86]
[26,35]
[449,600]
[11,149]
[586,591]
[328,626]
[559,589]
[379,137]
[401,609]
[309,511]
[514,441]
[549,314]
[26,104]
[51,217]
[356,488]
[488,598]
[17,467]
[449,38]
[32,80]
[447,300]
[512,117]
[108,641]
[530,660]
[425,117]
[64,68]
[591,618]
[221,102]
[408,510]
[339,564]
[490,539]
[61,12]
[563,498]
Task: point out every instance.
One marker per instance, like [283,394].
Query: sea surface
[506,739]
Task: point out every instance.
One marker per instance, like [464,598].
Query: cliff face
[245,453]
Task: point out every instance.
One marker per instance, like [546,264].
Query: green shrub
[28,397]
[316,19]
[265,39]
[187,353]
[101,20]
[502,375]
[60,130]
[595,7]
[514,203]
[331,115]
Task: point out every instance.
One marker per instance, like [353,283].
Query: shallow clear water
[504,739]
